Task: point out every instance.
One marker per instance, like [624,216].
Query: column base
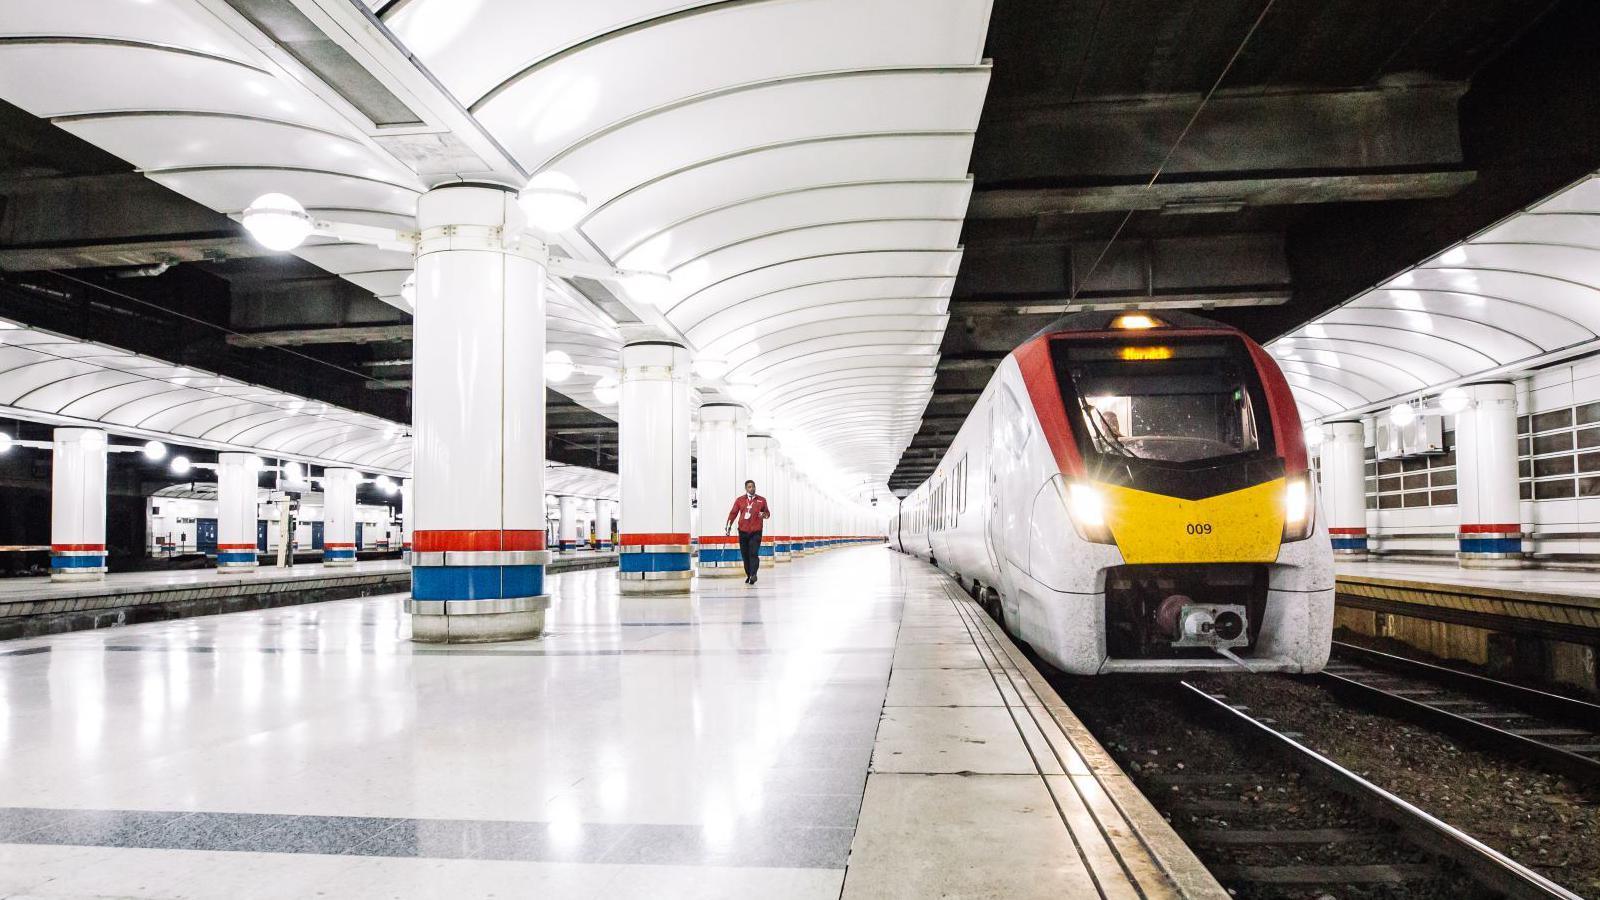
[654,582]
[477,621]
[78,576]
[338,563]
[236,568]
[721,571]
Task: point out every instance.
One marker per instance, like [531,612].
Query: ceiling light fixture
[277,221]
[553,202]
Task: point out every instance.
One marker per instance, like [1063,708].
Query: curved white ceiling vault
[798,166]
[64,381]
[1522,293]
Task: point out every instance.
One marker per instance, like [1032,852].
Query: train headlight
[1086,505]
[1299,508]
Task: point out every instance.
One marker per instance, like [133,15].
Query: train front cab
[1181,531]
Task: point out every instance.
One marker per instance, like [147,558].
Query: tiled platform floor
[711,746]
[1533,580]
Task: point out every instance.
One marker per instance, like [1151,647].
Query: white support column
[604,512]
[478,417]
[800,540]
[1490,533]
[722,455]
[1344,488]
[567,527]
[339,516]
[653,440]
[238,477]
[78,505]
[782,516]
[763,469]
[406,515]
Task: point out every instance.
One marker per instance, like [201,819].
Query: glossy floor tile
[710,745]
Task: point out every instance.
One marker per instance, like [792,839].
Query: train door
[316,535]
[359,544]
[261,535]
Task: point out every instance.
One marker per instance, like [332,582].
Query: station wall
[1411,503]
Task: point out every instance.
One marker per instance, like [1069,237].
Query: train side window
[1013,429]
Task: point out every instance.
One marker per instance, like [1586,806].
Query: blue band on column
[1491,545]
[476,582]
[654,562]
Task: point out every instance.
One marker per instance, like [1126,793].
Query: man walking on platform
[751,510]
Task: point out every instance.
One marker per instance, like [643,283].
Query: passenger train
[1132,493]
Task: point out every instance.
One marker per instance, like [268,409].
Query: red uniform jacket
[759,511]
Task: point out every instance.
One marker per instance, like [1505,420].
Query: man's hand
[727,530]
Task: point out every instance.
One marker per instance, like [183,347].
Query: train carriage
[1131,493]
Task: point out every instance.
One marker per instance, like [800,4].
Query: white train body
[1153,593]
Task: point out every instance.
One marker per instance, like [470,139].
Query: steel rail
[1474,728]
[1482,862]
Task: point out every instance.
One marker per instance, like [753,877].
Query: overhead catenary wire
[1155,176]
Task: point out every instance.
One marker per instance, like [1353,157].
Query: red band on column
[668,537]
[475,541]
[1489,529]
[70,548]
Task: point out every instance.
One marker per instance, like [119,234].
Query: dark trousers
[750,552]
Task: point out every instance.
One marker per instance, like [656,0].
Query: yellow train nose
[1244,526]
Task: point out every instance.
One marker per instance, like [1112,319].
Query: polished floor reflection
[715,745]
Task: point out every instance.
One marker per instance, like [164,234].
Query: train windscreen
[1172,400]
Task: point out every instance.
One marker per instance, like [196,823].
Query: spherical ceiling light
[607,390]
[1454,400]
[277,221]
[408,290]
[553,202]
[1314,435]
[1402,414]
[5,442]
[155,450]
[557,366]
[180,465]
[385,483]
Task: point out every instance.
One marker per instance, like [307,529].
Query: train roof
[1102,320]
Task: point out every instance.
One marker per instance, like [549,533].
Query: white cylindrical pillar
[782,516]
[405,519]
[808,531]
[478,420]
[721,456]
[238,477]
[762,464]
[78,505]
[1344,487]
[339,516]
[567,526]
[653,442]
[1490,533]
[605,513]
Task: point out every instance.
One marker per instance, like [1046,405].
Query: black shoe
[749,580]
[754,579]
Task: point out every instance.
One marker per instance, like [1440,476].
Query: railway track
[1274,819]
[1449,847]
[1559,733]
